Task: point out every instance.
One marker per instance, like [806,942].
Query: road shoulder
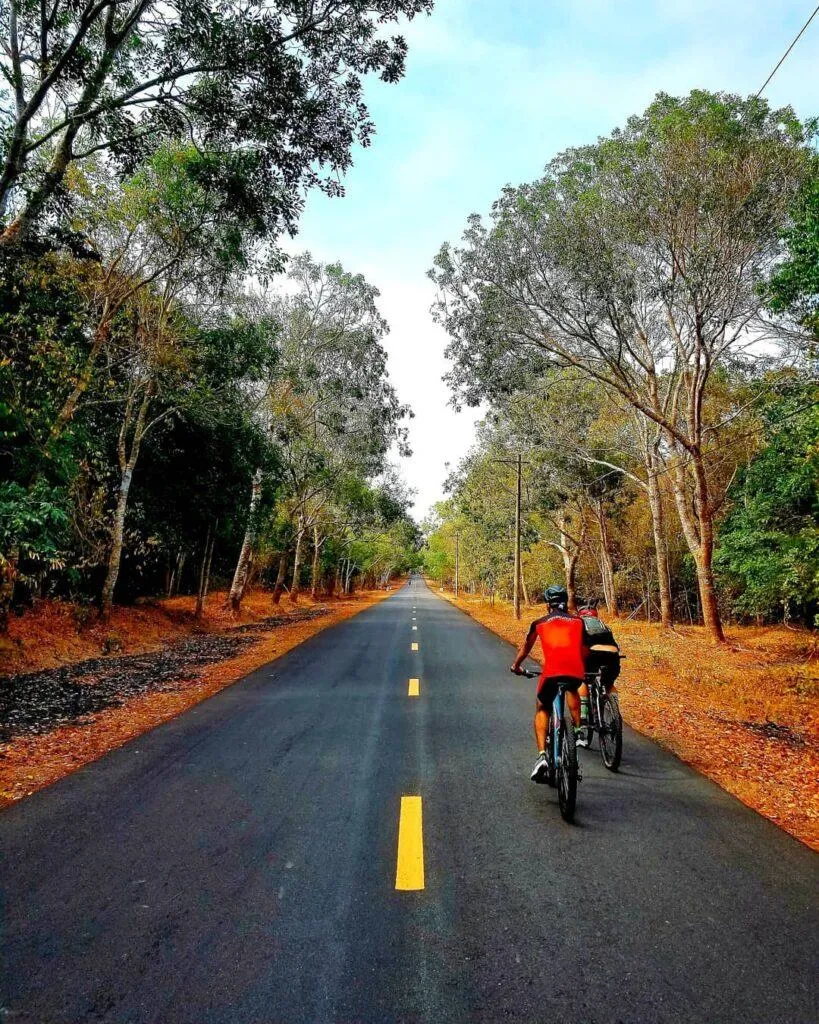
[31,761]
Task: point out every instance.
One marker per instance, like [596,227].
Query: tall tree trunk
[705,561]
[570,572]
[314,580]
[570,548]
[609,591]
[204,573]
[281,575]
[655,503]
[127,463]
[237,589]
[523,587]
[115,555]
[698,530]
[296,585]
[173,584]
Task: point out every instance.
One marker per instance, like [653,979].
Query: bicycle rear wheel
[611,732]
[567,767]
[594,718]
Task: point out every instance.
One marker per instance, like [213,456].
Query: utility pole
[516,602]
[518,462]
[457,561]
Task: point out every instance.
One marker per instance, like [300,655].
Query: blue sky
[493,90]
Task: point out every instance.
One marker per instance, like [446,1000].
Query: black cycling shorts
[548,689]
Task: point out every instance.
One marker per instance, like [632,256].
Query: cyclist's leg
[541,725]
[573,700]
[547,691]
[542,715]
[583,693]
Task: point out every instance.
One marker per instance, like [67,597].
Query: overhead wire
[784,56]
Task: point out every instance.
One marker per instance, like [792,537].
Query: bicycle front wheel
[611,732]
[567,767]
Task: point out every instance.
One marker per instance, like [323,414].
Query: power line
[785,54]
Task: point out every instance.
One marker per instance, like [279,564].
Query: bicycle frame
[595,687]
[557,718]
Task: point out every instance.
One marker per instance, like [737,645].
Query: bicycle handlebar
[525,672]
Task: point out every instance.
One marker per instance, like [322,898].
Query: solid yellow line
[414,688]
[415,647]
[409,874]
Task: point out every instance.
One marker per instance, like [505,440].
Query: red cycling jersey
[562,639]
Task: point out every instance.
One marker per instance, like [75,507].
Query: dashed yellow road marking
[415,647]
[414,688]
[409,873]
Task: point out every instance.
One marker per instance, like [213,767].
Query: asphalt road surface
[239,864]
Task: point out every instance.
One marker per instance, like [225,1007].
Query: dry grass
[745,714]
[51,638]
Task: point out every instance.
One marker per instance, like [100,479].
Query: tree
[768,558]
[794,286]
[161,240]
[638,262]
[275,89]
[162,229]
[328,406]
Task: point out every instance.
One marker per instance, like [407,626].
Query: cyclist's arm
[525,648]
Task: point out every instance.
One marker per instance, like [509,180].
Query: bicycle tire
[567,767]
[594,721]
[551,779]
[611,732]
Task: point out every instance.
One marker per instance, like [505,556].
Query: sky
[493,90]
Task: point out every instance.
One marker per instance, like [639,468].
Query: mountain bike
[606,720]
[563,772]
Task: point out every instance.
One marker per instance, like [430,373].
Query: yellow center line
[409,873]
[414,688]
[415,647]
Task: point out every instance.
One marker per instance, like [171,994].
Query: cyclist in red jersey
[562,639]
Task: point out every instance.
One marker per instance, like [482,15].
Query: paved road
[239,863]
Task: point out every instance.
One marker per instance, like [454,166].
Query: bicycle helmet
[555,596]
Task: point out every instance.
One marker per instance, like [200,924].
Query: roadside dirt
[69,708]
[746,715]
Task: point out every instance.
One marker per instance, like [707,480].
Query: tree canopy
[271,91]
[638,265]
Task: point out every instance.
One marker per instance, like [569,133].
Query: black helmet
[555,596]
